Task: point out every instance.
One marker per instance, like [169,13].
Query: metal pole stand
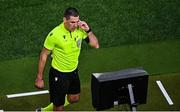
[131,94]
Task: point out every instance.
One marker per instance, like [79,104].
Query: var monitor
[110,87]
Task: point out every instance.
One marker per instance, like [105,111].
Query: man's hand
[83,25]
[93,42]
[39,83]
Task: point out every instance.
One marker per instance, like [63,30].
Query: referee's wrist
[88,30]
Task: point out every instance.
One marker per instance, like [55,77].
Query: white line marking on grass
[27,94]
[164,92]
[1,111]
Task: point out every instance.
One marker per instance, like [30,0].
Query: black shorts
[61,83]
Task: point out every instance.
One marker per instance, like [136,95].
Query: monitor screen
[108,87]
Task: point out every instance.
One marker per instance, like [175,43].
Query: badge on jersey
[79,42]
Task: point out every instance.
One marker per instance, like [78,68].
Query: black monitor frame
[108,87]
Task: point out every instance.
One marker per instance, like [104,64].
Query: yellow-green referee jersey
[65,47]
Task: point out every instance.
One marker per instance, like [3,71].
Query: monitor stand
[131,95]
[132,104]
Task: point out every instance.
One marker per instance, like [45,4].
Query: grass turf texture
[160,59]
[25,23]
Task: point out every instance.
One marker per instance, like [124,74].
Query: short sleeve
[49,42]
[84,34]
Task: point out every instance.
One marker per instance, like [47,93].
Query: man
[64,42]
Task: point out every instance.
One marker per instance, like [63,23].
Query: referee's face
[72,23]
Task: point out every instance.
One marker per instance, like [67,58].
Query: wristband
[88,30]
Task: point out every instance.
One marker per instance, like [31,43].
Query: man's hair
[71,12]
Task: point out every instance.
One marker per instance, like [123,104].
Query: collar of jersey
[64,29]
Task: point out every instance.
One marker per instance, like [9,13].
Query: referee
[64,45]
